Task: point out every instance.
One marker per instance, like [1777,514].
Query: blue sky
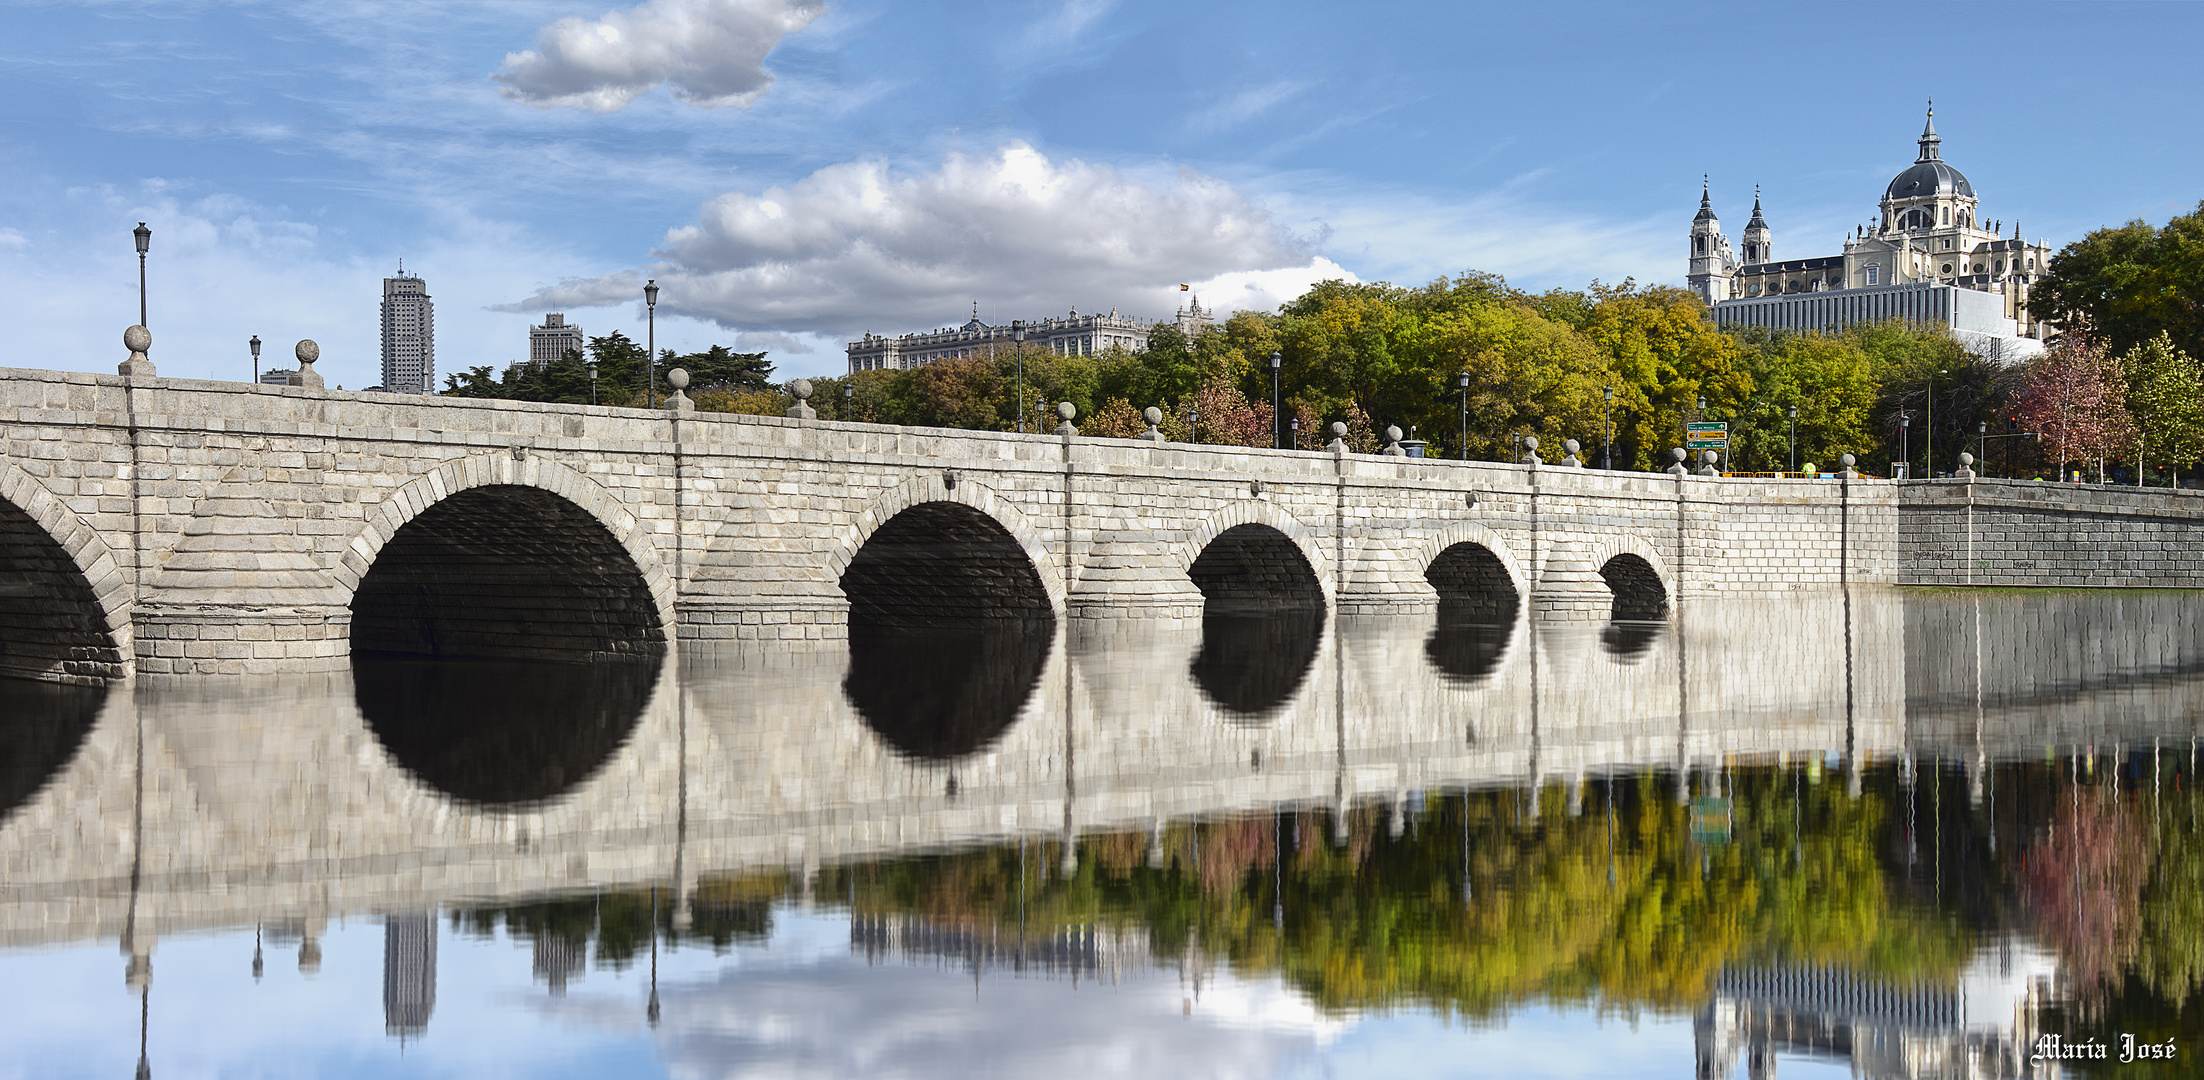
[793,172]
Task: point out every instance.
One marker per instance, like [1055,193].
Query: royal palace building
[1929,258]
[1069,335]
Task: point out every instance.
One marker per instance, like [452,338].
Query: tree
[2166,395]
[2129,284]
[717,368]
[2074,398]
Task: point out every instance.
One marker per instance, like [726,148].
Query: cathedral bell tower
[1759,240]
[1713,267]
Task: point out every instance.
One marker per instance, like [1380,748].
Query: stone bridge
[175,526]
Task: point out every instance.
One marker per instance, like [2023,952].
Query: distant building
[1926,247]
[552,340]
[409,973]
[409,335]
[279,377]
[1070,335]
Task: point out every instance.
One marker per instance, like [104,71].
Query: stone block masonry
[2032,533]
[178,526]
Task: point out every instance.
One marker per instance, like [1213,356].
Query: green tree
[2129,284]
[719,368]
[2166,394]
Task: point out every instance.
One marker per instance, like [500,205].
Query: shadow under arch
[53,625]
[505,571]
[1478,606]
[42,726]
[1262,619]
[950,626]
[1639,594]
[502,733]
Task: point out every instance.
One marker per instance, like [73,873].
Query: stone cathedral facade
[1928,236]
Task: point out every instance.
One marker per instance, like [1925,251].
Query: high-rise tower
[409,335]
[409,973]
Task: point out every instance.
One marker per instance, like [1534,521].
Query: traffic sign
[1707,435]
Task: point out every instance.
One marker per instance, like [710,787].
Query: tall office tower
[409,335]
[409,973]
[551,340]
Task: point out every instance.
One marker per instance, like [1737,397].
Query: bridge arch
[471,505]
[1641,580]
[981,501]
[1261,513]
[1430,550]
[70,619]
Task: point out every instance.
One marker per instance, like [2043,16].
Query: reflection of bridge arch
[67,614]
[940,488]
[471,507]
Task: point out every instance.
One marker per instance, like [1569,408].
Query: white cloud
[9,238]
[711,51]
[860,246]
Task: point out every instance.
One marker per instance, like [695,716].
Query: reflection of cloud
[837,1017]
[860,246]
[711,51]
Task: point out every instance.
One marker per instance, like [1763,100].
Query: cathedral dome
[1929,176]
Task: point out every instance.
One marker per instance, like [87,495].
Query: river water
[1883,834]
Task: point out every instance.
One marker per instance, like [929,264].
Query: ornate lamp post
[1276,359]
[254,345]
[592,382]
[1905,442]
[145,240]
[1017,340]
[1461,382]
[1791,441]
[849,399]
[1607,428]
[650,301]
[1982,446]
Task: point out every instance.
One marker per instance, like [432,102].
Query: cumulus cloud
[861,246]
[712,52]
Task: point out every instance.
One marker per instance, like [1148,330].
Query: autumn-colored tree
[1116,419]
[2074,398]
[1225,416]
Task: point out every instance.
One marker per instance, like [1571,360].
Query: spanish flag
[1183,288]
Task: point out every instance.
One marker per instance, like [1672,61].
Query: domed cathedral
[1927,258]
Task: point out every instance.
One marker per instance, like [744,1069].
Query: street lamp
[1905,442]
[1017,338]
[650,362]
[1607,428]
[254,345]
[1791,441]
[593,382]
[849,399]
[145,240]
[1982,444]
[1276,359]
[1462,381]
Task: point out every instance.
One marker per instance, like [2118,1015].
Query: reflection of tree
[2083,883]
[1557,907]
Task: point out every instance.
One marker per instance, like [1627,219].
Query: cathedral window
[1873,272]
[2000,266]
[1978,268]
[1945,215]
[1947,268]
[1699,244]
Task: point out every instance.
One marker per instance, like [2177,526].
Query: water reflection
[41,726]
[1468,641]
[1253,663]
[1898,831]
[502,733]
[939,694]
[1627,641]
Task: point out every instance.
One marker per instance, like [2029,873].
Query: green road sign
[1707,435]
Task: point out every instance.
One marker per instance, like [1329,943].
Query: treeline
[620,377]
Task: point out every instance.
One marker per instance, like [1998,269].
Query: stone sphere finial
[1709,457]
[1571,446]
[1530,442]
[1392,433]
[1679,453]
[307,351]
[1849,460]
[137,339]
[801,388]
[1152,415]
[1966,459]
[678,378]
[1066,409]
[1339,429]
